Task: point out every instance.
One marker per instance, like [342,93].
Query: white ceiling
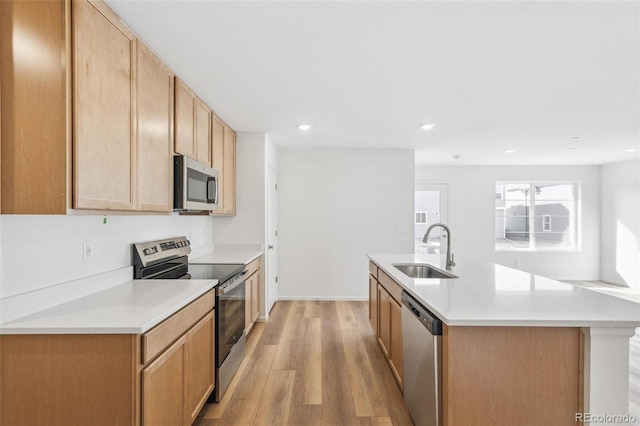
[492,75]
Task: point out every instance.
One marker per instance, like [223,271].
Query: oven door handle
[226,288]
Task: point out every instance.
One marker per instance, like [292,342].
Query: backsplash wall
[55,242]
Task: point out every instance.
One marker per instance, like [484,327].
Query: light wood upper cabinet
[155,132]
[223,147]
[185,113]
[104,89]
[229,177]
[203,133]
[36,99]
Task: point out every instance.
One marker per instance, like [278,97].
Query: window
[537,215]
[421,217]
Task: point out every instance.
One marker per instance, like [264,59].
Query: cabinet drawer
[253,266]
[162,335]
[373,269]
[390,285]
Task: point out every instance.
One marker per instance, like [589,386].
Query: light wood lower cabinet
[163,388]
[160,378]
[491,375]
[385,316]
[373,303]
[252,306]
[199,371]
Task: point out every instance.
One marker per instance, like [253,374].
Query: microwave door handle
[212,181]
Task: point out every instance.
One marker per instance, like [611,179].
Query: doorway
[272,240]
[430,207]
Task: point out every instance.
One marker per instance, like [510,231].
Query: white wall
[620,223]
[249,223]
[55,242]
[471,198]
[334,207]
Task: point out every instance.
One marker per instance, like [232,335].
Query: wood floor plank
[313,363]
[290,343]
[276,399]
[365,390]
[216,411]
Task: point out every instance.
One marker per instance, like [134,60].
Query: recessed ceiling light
[571,149]
[304,127]
[456,156]
[631,150]
[428,126]
[509,151]
[575,138]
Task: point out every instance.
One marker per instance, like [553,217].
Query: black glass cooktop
[214,272]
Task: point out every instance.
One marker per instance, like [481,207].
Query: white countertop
[133,307]
[230,254]
[490,294]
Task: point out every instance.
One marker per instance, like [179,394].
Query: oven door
[230,306]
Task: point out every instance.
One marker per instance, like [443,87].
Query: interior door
[430,208]
[272,240]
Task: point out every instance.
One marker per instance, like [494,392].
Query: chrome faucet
[450,261]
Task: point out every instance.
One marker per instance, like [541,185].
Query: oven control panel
[150,252]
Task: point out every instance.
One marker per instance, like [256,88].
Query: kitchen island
[552,339]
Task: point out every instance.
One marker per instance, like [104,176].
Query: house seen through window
[537,215]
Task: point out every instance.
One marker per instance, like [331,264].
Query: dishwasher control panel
[430,321]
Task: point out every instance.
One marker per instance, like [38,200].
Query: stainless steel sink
[422,270]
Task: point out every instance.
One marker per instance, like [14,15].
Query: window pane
[554,205]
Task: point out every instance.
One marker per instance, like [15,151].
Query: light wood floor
[313,363]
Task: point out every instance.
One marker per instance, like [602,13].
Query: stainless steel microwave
[195,185]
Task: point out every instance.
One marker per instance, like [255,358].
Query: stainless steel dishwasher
[422,360]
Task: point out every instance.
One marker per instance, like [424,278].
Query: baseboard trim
[325,298]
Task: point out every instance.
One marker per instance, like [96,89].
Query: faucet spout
[450,262]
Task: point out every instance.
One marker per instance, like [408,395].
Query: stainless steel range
[168,259]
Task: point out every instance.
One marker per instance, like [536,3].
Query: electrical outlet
[87,250]
[516,262]
[401,229]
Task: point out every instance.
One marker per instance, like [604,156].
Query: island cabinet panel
[61,380]
[104,104]
[155,132]
[511,375]
[373,303]
[384,320]
[35,115]
[395,356]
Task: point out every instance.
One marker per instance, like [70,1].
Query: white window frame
[425,214]
[577,188]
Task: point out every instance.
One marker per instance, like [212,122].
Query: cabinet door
[395,358]
[104,96]
[199,366]
[249,301]
[229,181]
[384,320]
[373,303]
[185,110]
[34,61]
[155,133]
[217,157]
[163,388]
[255,298]
[203,133]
